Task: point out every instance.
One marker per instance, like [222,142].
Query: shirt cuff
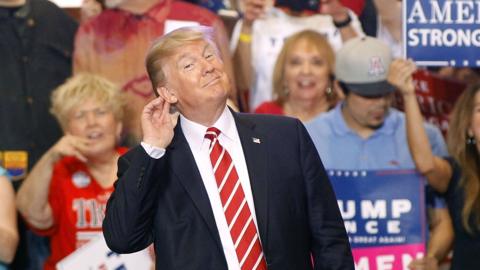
[153,151]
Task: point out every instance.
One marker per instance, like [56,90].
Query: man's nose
[207,66]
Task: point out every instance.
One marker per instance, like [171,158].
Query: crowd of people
[78,93]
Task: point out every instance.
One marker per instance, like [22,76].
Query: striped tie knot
[212,133]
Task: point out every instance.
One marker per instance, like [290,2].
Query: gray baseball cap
[362,66]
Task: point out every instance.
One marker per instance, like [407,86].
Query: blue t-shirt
[341,148]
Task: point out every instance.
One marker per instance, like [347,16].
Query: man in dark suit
[220,190]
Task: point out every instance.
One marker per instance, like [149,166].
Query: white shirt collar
[195,133]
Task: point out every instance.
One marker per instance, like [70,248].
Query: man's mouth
[212,81]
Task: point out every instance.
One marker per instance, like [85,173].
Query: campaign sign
[384,216]
[436,97]
[95,255]
[442,32]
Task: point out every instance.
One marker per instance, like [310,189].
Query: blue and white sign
[442,32]
[384,215]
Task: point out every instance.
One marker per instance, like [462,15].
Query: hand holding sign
[400,76]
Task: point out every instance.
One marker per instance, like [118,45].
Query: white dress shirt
[230,140]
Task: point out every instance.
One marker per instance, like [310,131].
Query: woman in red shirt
[65,194]
[303,78]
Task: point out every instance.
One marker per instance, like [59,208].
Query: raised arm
[8,221]
[128,223]
[32,198]
[390,13]
[437,170]
[253,9]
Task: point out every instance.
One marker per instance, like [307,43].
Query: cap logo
[376,66]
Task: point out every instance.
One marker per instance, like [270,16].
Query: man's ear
[167,94]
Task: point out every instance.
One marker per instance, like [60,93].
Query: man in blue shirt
[364,133]
[349,146]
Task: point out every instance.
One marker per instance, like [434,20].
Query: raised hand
[70,145]
[158,123]
[89,9]
[400,76]
[333,8]
[254,9]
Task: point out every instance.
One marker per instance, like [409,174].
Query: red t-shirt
[270,107]
[78,207]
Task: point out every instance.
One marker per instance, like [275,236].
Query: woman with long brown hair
[458,176]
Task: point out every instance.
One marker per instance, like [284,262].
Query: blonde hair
[81,88]
[167,45]
[315,40]
[466,154]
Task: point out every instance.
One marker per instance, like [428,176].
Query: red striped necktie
[237,213]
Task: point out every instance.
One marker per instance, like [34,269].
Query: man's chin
[376,126]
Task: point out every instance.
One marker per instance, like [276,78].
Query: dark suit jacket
[165,202]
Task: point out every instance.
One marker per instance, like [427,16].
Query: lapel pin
[256,140]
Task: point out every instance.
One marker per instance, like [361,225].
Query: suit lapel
[184,167]
[254,146]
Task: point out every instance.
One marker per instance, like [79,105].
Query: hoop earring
[286,91]
[329,91]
